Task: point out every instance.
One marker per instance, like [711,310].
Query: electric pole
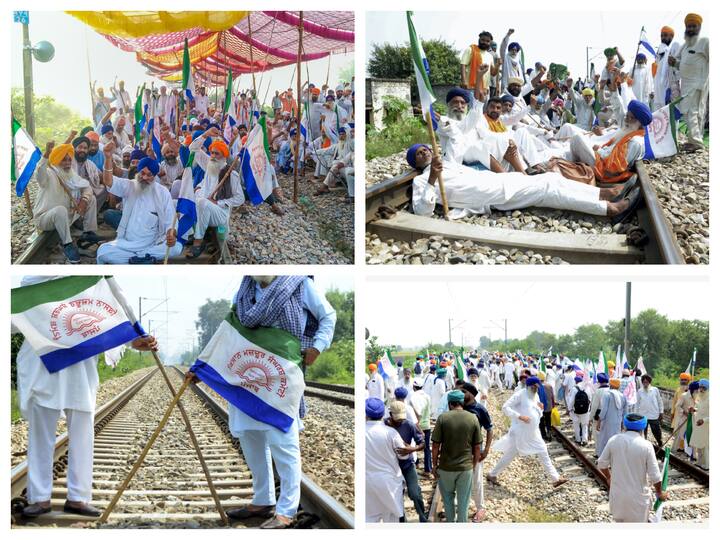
[626,345]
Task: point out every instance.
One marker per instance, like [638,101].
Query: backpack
[582,402]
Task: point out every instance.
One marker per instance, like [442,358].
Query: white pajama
[42,424]
[478,490]
[60,219]
[512,452]
[263,447]
[580,426]
[119,252]
[209,215]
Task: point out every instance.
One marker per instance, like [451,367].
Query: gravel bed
[440,250]
[107,390]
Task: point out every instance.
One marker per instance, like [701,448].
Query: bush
[131,360]
[395,138]
[335,365]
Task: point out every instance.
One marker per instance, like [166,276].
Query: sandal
[195,251]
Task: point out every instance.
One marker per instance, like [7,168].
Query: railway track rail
[45,249]
[387,214]
[170,488]
[336,393]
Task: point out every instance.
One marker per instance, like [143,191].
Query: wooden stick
[144,453]
[297,134]
[167,247]
[252,62]
[436,152]
[28,202]
[225,177]
[327,75]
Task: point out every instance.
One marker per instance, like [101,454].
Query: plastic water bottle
[221,231]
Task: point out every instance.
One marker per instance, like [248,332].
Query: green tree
[589,340]
[344,304]
[347,72]
[210,315]
[53,120]
[389,61]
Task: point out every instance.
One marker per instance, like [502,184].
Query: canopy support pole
[297,127]
[252,61]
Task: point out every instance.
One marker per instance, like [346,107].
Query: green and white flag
[187,80]
[258,370]
[73,318]
[422,70]
[659,505]
[24,158]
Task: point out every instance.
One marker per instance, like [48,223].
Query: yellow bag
[555,417]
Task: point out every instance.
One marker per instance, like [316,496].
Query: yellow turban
[588,92]
[693,18]
[667,30]
[541,375]
[615,383]
[59,152]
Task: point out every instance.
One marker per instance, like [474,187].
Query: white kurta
[482,191]
[383,478]
[666,76]
[376,387]
[525,437]
[642,84]
[437,393]
[701,434]
[633,466]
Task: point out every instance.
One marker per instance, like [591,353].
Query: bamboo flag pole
[167,246]
[436,152]
[252,62]
[327,75]
[297,127]
[144,453]
[632,75]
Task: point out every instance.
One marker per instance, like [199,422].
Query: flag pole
[436,152]
[167,246]
[298,68]
[632,75]
[144,453]
[252,62]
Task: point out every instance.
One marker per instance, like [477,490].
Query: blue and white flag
[186,204]
[645,43]
[70,319]
[256,370]
[24,158]
[422,72]
[230,121]
[661,133]
[691,366]
[386,369]
[256,168]
[154,134]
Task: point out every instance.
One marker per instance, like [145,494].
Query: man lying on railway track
[63,198]
[629,463]
[146,228]
[43,397]
[523,438]
[479,192]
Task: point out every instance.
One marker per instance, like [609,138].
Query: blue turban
[399,363]
[197,133]
[152,165]
[481,364]
[329,97]
[433,368]
[472,371]
[410,156]
[351,124]
[214,125]
[374,408]
[635,422]
[137,154]
[578,379]
[704,383]
[602,378]
[293,132]
[531,381]
[641,112]
[455,396]
[401,392]
[694,386]
[507,98]
[641,56]
[106,128]
[457,91]
[183,127]
[514,45]
[342,130]
[204,122]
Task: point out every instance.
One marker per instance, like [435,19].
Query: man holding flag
[632,461]
[666,85]
[62,378]
[256,361]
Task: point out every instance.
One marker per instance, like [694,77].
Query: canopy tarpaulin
[273,41]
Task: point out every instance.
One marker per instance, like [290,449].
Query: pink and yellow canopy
[219,41]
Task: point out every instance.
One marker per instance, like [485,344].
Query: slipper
[481,513]
[634,197]
[627,188]
[275,523]
[244,512]
[493,480]
[195,251]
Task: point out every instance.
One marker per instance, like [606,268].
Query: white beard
[214,167]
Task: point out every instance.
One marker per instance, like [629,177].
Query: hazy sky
[559,37]
[66,76]
[185,298]
[417,310]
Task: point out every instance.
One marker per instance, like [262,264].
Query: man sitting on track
[43,397]
[480,191]
[632,461]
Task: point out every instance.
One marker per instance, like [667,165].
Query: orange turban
[59,152]
[372,367]
[693,18]
[685,377]
[315,91]
[221,147]
[667,30]
[615,383]
[94,137]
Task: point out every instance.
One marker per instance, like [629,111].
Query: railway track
[387,214]
[170,488]
[336,393]
[45,249]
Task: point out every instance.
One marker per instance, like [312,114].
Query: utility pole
[28,81]
[449,330]
[628,294]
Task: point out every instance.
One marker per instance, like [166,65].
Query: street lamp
[43,52]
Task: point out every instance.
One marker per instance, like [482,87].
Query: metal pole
[505,331]
[297,100]
[626,344]
[28,82]
[587,63]
[449,330]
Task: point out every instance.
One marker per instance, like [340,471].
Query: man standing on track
[43,397]
[632,461]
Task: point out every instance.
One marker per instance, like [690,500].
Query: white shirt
[383,478]
[632,461]
[201,104]
[649,403]
[376,387]
[209,183]
[524,437]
